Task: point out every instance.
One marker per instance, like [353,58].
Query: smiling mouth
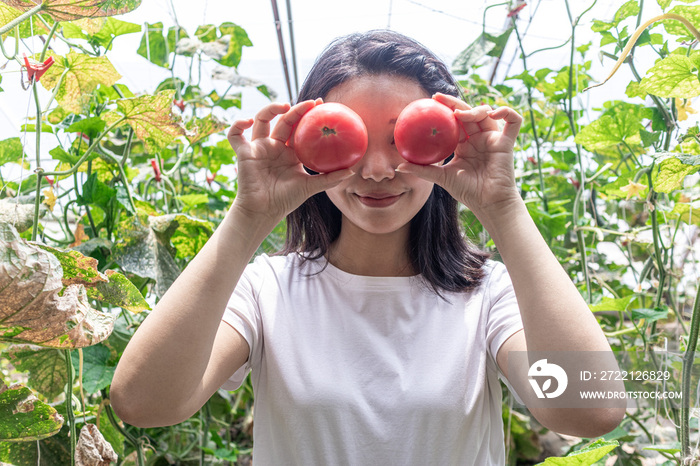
[379,200]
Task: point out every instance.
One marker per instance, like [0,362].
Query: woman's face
[377,199]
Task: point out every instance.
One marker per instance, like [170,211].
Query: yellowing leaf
[79,235]
[93,449]
[202,128]
[674,76]
[69,10]
[81,74]
[32,310]
[23,417]
[90,25]
[150,117]
[673,170]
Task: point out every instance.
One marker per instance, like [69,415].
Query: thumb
[433,173]
[321,182]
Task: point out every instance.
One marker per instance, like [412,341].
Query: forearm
[555,316]
[163,367]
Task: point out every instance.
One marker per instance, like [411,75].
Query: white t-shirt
[356,370]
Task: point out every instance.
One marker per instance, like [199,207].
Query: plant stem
[533,123]
[87,153]
[38,170]
[688,360]
[69,405]
[140,459]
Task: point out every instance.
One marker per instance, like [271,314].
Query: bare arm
[555,316]
[182,352]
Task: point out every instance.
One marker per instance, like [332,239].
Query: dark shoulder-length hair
[437,247]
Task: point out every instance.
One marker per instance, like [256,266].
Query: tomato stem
[327,131]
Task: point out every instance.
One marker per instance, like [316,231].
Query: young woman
[379,335]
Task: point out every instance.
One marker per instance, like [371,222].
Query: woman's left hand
[481,173]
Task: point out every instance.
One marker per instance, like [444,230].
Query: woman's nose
[378,163]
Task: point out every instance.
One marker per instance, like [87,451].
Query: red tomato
[330,137]
[426,132]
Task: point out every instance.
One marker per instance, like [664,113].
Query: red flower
[156,169]
[516,10]
[210,178]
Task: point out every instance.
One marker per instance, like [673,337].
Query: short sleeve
[504,314]
[243,314]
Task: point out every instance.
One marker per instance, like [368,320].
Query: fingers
[321,182]
[285,126]
[235,133]
[476,120]
[433,173]
[512,119]
[261,127]
[451,101]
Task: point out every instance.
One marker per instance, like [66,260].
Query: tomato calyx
[328,131]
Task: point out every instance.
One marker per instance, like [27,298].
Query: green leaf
[77,76]
[46,368]
[650,315]
[619,124]
[31,128]
[55,450]
[469,58]
[151,118]
[227,101]
[688,212]
[187,234]
[213,157]
[674,76]
[237,39]
[140,251]
[96,192]
[37,308]
[174,36]
[112,29]
[69,10]
[672,448]
[97,369]
[199,129]
[119,291]
[206,33]
[676,28]
[672,172]
[630,8]
[11,150]
[612,304]
[23,417]
[193,200]
[57,153]
[154,47]
[90,127]
[584,457]
[601,26]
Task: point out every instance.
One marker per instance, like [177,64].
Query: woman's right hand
[271,180]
